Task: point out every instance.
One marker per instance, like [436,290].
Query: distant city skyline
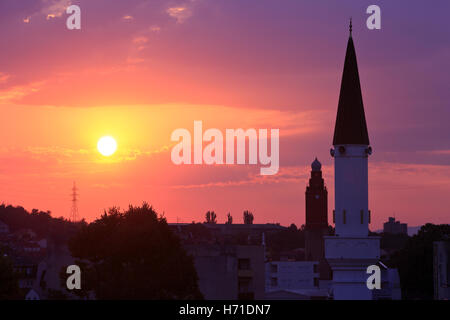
[139,70]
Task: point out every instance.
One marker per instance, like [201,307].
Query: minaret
[351,251]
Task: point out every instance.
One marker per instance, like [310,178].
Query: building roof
[316,165]
[351,127]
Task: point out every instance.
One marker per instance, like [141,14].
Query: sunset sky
[139,69]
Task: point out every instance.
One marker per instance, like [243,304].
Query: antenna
[351,26]
[74,209]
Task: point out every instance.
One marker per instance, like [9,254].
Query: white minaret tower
[351,250]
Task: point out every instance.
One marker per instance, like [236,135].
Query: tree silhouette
[229,219]
[415,261]
[133,255]
[285,240]
[57,230]
[211,217]
[248,217]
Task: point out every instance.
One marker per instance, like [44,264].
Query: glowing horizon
[136,72]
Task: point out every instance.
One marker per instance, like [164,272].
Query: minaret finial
[351,27]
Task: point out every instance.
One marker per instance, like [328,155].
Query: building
[304,274]
[316,226]
[32,295]
[351,250]
[294,280]
[292,275]
[29,271]
[395,227]
[390,284]
[5,235]
[441,270]
[223,233]
[229,272]
[39,272]
[4,229]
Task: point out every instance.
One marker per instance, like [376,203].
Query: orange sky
[138,71]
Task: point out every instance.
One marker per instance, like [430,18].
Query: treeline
[133,254]
[211,217]
[415,261]
[40,222]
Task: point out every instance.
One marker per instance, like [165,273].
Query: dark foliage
[248,217]
[42,223]
[211,217]
[133,255]
[415,261]
[286,240]
[390,241]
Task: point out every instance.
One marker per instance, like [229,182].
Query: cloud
[56,151]
[140,40]
[55,8]
[87,155]
[155,28]
[133,61]
[440,152]
[292,174]
[4,77]
[18,92]
[127,18]
[180,13]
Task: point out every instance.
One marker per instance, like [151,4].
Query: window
[345,217]
[273,268]
[274,282]
[362,216]
[244,289]
[244,264]
[316,282]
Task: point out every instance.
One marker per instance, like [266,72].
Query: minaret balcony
[350,248]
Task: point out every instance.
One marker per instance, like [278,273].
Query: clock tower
[316,226]
[316,199]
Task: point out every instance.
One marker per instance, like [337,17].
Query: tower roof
[316,165]
[351,127]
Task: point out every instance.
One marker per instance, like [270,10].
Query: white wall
[294,275]
[351,190]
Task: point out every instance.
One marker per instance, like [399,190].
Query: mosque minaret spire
[351,250]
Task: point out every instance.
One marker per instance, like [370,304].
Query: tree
[133,255]
[415,261]
[285,240]
[229,219]
[57,230]
[211,217]
[248,217]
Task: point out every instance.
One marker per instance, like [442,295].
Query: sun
[107,145]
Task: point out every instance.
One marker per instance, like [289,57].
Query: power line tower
[74,209]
